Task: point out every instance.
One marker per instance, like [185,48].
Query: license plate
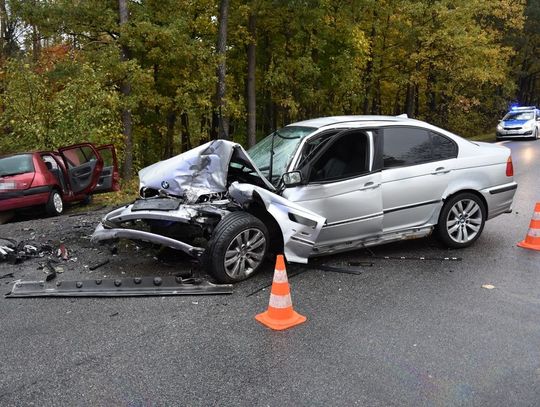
[167,204]
[5,185]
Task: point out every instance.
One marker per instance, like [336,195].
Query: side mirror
[292,179]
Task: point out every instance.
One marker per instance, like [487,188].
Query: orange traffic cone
[532,240]
[280,314]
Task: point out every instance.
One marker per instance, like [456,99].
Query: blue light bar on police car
[523,107]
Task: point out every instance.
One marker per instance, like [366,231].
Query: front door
[83,165]
[341,187]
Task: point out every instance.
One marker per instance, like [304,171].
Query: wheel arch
[467,191]
[258,209]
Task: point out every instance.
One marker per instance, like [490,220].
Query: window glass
[49,159]
[443,147]
[519,116]
[313,146]
[16,164]
[346,157]
[405,146]
[285,141]
[107,157]
[79,155]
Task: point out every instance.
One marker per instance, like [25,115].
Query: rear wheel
[55,204]
[461,220]
[237,248]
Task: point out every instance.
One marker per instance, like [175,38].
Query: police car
[520,122]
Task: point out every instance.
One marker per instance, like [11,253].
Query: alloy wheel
[464,221]
[245,253]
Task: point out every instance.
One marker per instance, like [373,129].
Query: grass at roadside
[484,137]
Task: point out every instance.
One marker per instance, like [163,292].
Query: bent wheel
[237,247]
[461,220]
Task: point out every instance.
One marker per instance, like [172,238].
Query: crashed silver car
[317,187]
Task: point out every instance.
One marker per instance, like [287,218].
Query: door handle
[370,185]
[440,170]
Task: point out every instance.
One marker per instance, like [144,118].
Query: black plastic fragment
[98,265]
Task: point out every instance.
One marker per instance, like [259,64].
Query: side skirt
[374,241]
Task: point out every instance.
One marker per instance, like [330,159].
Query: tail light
[509,167]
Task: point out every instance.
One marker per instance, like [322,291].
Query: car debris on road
[126,287]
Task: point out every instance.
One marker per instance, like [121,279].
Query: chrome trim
[352,220]
[400,208]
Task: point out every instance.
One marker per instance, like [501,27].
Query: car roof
[367,121]
[327,121]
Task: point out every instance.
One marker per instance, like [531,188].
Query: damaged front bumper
[120,223]
[102,234]
[299,227]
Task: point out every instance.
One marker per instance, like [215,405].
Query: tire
[461,220]
[55,204]
[237,248]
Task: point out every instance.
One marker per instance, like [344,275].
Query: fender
[300,227]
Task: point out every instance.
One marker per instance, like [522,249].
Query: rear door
[109,179]
[417,168]
[84,166]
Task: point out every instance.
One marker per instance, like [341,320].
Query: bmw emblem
[164,185]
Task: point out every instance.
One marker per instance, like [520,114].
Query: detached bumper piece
[124,287]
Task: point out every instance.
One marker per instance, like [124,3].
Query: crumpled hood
[199,171]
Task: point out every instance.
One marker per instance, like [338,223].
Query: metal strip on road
[126,287]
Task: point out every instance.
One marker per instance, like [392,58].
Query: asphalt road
[403,332]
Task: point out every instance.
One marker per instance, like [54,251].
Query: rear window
[16,164]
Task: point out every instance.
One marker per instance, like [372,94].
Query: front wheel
[55,204]
[461,220]
[237,247]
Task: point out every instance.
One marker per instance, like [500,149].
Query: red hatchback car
[52,178]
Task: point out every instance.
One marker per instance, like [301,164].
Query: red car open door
[84,165]
[109,179]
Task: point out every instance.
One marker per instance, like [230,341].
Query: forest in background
[157,77]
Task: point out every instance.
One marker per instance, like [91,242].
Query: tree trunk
[184,124]
[369,67]
[251,95]
[171,121]
[36,44]
[221,114]
[3,29]
[409,100]
[125,90]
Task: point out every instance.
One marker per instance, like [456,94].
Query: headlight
[527,126]
[499,127]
